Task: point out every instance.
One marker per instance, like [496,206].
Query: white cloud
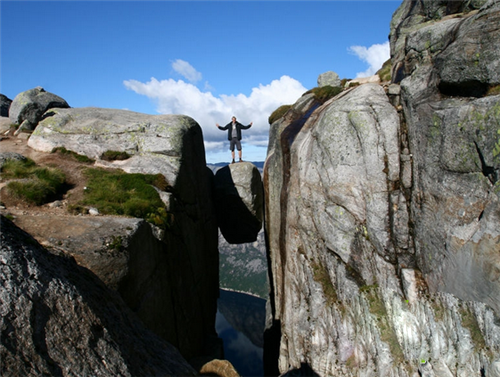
[186,70]
[375,55]
[179,97]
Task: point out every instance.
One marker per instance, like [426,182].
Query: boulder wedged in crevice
[238,199]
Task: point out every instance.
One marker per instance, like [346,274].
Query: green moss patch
[115,156]
[321,276]
[469,322]
[324,93]
[438,308]
[387,334]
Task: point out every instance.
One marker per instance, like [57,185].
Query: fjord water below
[240,324]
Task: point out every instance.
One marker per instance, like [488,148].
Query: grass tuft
[76,156]
[115,192]
[16,169]
[278,113]
[324,93]
[36,185]
[385,72]
[115,156]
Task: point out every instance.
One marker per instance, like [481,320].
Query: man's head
[234,119]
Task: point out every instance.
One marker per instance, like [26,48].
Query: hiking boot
[241,160]
[232,162]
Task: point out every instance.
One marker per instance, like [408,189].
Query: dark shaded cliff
[58,318]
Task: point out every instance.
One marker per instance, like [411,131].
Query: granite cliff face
[453,133]
[383,212]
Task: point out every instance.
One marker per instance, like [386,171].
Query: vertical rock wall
[383,226]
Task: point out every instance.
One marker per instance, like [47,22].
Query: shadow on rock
[239,202]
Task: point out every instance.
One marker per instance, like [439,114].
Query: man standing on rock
[234,135]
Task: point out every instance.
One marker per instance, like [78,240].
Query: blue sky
[206,59]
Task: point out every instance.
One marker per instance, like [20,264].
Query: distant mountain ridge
[243,268]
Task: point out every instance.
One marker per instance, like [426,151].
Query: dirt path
[33,219]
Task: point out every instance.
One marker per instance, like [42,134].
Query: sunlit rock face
[453,134]
[383,214]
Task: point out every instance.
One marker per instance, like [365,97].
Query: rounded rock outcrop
[170,145]
[28,107]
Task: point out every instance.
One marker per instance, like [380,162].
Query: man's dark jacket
[239,127]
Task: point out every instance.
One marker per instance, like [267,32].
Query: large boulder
[28,107]
[5,103]
[329,78]
[171,283]
[156,143]
[59,319]
[239,202]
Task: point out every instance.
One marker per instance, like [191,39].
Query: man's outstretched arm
[246,127]
[222,128]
